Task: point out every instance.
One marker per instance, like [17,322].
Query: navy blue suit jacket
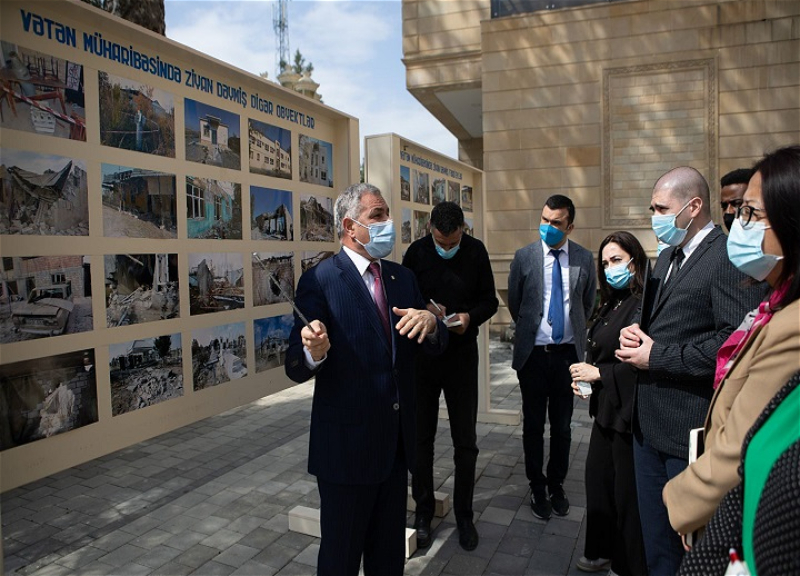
[364,392]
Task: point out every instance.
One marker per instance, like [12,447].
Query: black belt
[555,347]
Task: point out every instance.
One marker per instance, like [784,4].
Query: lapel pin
[392,277]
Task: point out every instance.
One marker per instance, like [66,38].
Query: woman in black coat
[613,529]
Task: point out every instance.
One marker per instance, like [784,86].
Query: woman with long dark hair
[613,530]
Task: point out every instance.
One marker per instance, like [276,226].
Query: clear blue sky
[355,46]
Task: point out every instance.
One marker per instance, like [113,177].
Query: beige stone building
[596,101]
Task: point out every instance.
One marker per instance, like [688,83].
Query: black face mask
[728,219]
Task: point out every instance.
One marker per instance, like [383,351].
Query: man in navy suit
[368,323]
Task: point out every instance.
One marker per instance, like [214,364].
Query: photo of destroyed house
[46,396]
[42,296]
[273,277]
[421,219]
[311,259]
[212,135]
[316,218]
[270,214]
[141,288]
[138,203]
[422,191]
[315,161]
[135,116]
[145,372]
[216,282]
[270,150]
[452,192]
[439,191]
[219,354]
[213,209]
[41,93]
[272,340]
[405,227]
[405,183]
[466,198]
[43,194]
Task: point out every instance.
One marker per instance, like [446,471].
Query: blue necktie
[555,315]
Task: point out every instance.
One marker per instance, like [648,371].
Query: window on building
[58,278]
[194,202]
[8,263]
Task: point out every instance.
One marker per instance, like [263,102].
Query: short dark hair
[780,189]
[559,201]
[738,176]
[447,217]
[631,245]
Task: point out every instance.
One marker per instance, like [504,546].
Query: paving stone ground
[212,498]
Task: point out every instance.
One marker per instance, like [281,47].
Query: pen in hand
[435,305]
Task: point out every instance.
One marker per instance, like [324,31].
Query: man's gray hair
[348,204]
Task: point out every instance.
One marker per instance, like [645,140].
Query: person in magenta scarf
[763,353]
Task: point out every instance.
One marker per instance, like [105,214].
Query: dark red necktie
[380,298]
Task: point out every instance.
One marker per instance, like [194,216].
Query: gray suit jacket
[692,316]
[526,296]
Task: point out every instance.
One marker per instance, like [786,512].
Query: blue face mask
[381,238]
[665,229]
[744,250]
[446,254]
[550,234]
[619,276]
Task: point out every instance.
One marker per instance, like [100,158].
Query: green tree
[300,64]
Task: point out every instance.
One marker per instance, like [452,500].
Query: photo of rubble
[311,259]
[439,191]
[405,226]
[422,191]
[272,340]
[212,135]
[316,218]
[273,277]
[466,198]
[141,288]
[145,372]
[43,296]
[43,194]
[219,355]
[405,183]
[421,219]
[315,161]
[452,192]
[213,209]
[136,116]
[41,93]
[468,227]
[216,282]
[138,203]
[46,396]
[270,149]
[271,214]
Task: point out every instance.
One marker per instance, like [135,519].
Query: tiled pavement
[212,499]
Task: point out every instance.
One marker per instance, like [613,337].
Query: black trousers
[613,529]
[364,519]
[455,374]
[544,381]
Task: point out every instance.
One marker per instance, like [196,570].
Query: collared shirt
[362,265]
[692,245]
[544,335]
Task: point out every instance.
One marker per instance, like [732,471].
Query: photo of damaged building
[216,283]
[141,288]
[271,214]
[213,209]
[270,150]
[276,289]
[272,341]
[219,355]
[44,195]
[316,218]
[145,372]
[138,203]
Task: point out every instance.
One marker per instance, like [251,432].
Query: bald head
[683,184]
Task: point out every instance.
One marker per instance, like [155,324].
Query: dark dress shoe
[423,528]
[560,503]
[541,507]
[467,535]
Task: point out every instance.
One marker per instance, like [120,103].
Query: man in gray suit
[552,280]
[700,299]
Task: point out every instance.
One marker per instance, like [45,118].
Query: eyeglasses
[735,203]
[745,215]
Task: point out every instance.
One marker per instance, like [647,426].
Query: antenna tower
[280,24]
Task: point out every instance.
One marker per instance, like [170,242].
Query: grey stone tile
[132,569]
[276,555]
[260,538]
[125,554]
[295,540]
[462,564]
[159,556]
[236,555]
[309,555]
[296,569]
[498,515]
[222,539]
[141,525]
[151,539]
[213,568]
[185,540]
[173,569]
[507,564]
[81,557]
[197,555]
[210,525]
